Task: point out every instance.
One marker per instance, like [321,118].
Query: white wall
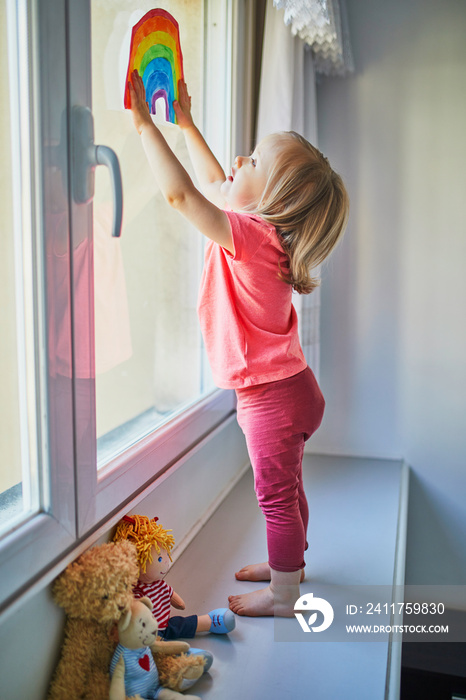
[393,345]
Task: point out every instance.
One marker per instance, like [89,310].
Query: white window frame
[78,499]
[22,555]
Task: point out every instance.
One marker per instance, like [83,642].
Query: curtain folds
[323,26]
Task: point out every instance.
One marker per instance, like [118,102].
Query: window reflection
[149,356]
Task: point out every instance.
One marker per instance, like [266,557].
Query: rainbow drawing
[155,52]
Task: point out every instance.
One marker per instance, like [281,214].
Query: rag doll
[154,545]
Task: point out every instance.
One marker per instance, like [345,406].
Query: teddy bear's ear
[66,587]
[147,602]
[125,619]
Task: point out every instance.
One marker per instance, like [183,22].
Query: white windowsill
[356,535]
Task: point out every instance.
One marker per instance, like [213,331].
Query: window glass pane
[150,362]
[18,447]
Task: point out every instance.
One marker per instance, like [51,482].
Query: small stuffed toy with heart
[132,670]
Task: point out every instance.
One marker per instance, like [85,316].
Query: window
[109,382]
[19,470]
[37,501]
[149,360]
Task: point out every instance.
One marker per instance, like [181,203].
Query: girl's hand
[182,106]
[139,107]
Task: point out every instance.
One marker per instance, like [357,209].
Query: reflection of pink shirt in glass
[58,288]
[111,315]
[248,322]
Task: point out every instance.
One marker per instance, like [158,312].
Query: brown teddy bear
[95,591]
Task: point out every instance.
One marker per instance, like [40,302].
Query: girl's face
[156,569]
[243,189]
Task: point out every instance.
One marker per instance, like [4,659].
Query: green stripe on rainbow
[155,53]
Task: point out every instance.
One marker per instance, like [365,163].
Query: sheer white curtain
[323,25]
[287,101]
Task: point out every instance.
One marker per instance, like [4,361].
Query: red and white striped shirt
[159,593]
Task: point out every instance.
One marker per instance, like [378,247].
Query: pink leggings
[277,418]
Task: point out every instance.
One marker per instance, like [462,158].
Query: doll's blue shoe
[223,621]
[207,656]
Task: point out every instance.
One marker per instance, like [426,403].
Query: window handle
[86,156]
[104,155]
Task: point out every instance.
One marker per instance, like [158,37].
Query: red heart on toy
[144,662]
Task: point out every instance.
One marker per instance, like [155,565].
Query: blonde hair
[145,534]
[307,203]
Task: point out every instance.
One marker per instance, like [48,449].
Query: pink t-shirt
[248,322]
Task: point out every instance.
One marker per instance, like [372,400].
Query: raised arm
[173,180]
[208,170]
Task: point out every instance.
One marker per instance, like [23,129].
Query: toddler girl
[278,214]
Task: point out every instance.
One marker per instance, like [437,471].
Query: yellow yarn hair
[145,534]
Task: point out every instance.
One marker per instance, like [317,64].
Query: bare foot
[255,604]
[265,602]
[258,572]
